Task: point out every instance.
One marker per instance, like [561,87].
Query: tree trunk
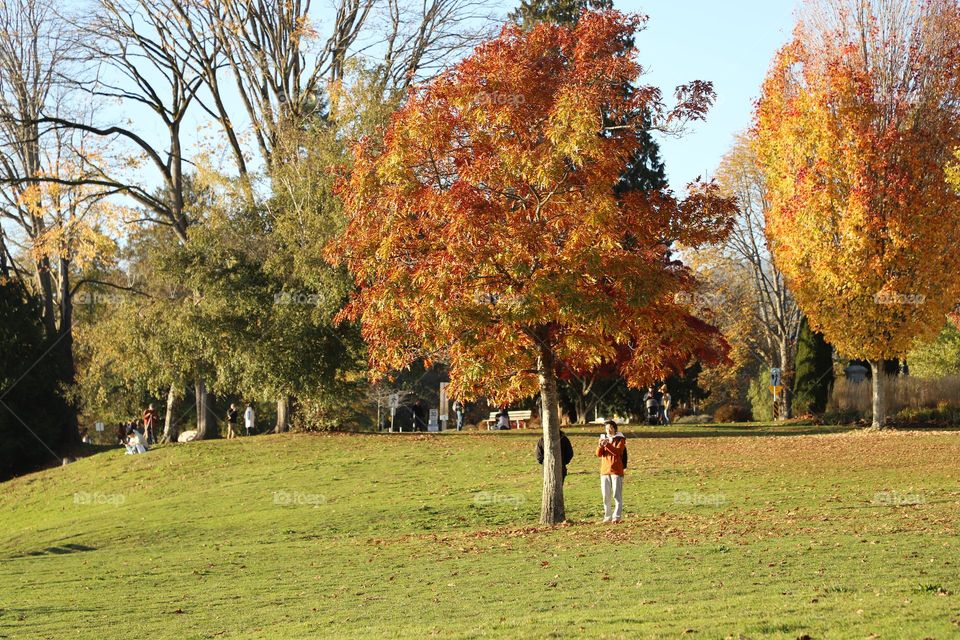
[580,404]
[551,505]
[68,367]
[205,428]
[170,422]
[283,414]
[879,395]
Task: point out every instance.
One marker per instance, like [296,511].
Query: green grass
[730,531]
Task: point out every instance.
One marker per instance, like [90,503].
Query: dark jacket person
[566,452]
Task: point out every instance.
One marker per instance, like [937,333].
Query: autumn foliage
[862,220]
[485,231]
[857,124]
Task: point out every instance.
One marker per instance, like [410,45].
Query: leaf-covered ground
[765,532]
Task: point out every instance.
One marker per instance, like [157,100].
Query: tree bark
[68,365]
[551,505]
[283,414]
[170,422]
[879,394]
[580,404]
[205,428]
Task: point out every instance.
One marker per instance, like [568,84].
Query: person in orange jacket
[612,451]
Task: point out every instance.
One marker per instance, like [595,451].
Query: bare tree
[131,59]
[33,48]
[776,312]
[282,68]
[420,37]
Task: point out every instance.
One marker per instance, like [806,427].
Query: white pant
[612,487]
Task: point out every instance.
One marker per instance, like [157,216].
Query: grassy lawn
[730,531]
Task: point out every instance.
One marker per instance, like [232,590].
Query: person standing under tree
[249,419]
[612,451]
[150,419]
[566,453]
[665,403]
[232,421]
[458,411]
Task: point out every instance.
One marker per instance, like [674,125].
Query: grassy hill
[729,531]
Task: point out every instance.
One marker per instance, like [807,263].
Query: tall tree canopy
[485,229]
[858,120]
[583,391]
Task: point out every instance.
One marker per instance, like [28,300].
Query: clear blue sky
[729,42]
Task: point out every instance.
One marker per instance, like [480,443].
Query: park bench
[519,417]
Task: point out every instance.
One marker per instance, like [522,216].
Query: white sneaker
[606,520]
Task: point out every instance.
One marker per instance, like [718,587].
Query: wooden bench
[519,417]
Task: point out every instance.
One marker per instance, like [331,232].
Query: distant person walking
[665,404]
[249,419]
[458,411]
[566,453]
[232,421]
[150,420]
[612,451]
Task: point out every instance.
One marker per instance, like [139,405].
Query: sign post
[434,424]
[776,378]
[776,386]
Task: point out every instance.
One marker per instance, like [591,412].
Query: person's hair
[611,423]
[663,388]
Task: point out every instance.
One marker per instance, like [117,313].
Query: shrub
[903,392]
[934,417]
[732,413]
[814,373]
[848,416]
[761,402]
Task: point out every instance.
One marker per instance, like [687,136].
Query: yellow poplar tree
[857,123]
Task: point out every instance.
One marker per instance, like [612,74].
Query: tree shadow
[742,430]
[60,550]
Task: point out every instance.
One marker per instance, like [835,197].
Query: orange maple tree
[485,231]
[856,126]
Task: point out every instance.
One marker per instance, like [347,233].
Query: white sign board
[775,379]
[434,424]
[98,426]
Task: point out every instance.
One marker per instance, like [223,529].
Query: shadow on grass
[733,430]
[716,430]
[61,550]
